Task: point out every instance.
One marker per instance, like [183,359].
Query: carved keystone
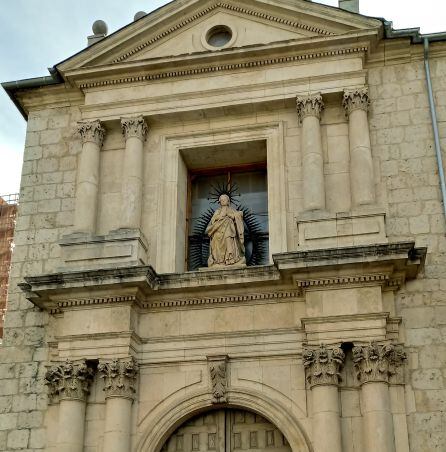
[134,127]
[323,365]
[357,99]
[218,373]
[91,131]
[311,105]
[69,380]
[379,363]
[120,377]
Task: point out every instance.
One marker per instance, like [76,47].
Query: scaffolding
[8,212]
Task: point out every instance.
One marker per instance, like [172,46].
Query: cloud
[10,168]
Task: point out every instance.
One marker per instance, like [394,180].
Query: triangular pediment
[183,27]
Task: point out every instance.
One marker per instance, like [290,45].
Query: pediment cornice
[311,19]
[287,52]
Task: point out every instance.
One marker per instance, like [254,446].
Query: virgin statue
[226,231]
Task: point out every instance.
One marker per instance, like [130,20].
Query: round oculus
[219,36]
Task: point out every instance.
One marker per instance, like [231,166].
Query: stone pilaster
[309,109]
[356,103]
[376,366]
[92,135]
[120,387]
[69,383]
[322,367]
[135,132]
[218,377]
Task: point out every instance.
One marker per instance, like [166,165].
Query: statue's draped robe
[226,231]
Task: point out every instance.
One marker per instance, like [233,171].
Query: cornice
[223,5]
[388,264]
[199,70]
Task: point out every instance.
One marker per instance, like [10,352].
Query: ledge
[140,284]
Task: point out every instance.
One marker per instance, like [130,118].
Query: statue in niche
[226,231]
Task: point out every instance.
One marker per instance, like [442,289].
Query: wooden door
[227,431]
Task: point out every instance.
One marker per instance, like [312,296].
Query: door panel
[227,431]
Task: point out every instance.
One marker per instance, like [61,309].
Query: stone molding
[230,7]
[323,365]
[120,377]
[379,363]
[218,370]
[357,99]
[91,131]
[311,105]
[69,380]
[134,127]
[224,67]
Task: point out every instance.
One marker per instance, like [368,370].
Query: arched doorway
[227,430]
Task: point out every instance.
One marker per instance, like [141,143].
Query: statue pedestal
[123,247]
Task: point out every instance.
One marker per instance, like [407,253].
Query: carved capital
[312,105]
[91,131]
[218,374]
[357,99]
[120,377]
[69,380]
[134,127]
[323,365]
[379,363]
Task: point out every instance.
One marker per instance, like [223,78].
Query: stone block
[37,439]
[8,421]
[18,439]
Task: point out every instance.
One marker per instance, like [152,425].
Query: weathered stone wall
[47,191]
[408,185]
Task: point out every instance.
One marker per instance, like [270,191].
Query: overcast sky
[37,34]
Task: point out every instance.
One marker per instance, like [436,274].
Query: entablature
[291,275]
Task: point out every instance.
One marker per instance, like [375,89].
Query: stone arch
[164,420]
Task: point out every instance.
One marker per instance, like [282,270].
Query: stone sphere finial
[139,15]
[99,27]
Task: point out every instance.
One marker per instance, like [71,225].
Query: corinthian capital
[91,131]
[69,380]
[119,376]
[134,127]
[323,365]
[379,363]
[357,99]
[218,374]
[311,105]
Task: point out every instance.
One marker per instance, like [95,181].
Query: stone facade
[339,342]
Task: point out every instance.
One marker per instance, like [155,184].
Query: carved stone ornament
[311,105]
[134,127]
[91,131]
[379,363]
[323,365]
[69,380]
[119,376]
[218,373]
[357,99]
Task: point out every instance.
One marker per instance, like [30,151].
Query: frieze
[218,376]
[230,7]
[379,363]
[91,131]
[357,99]
[323,365]
[223,67]
[119,377]
[134,127]
[311,105]
[69,380]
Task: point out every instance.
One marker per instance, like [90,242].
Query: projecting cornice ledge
[387,264]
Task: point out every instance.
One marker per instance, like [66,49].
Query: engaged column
[309,109]
[92,135]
